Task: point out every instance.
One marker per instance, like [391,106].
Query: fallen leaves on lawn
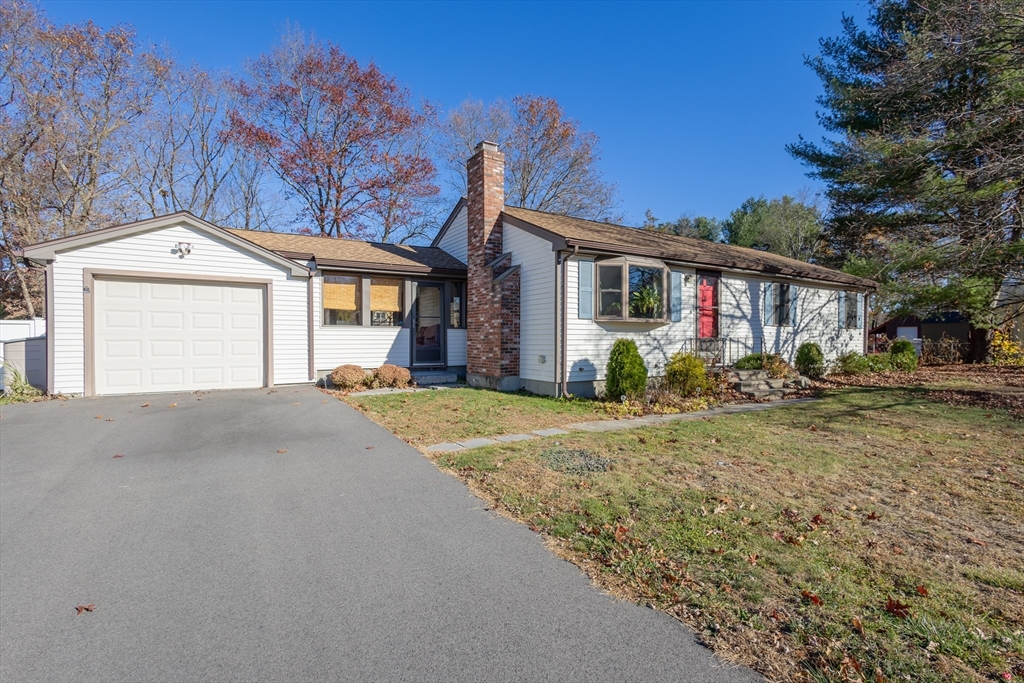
[858,625]
[84,608]
[620,532]
[752,559]
[922,591]
[897,608]
[977,542]
[811,597]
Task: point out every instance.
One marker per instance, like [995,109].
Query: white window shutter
[860,311]
[768,299]
[793,298]
[586,290]
[842,310]
[676,300]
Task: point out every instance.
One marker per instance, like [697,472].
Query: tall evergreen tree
[925,172]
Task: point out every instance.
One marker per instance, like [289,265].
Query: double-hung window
[386,302]
[779,301]
[343,295]
[851,310]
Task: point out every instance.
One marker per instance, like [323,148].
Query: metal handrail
[722,351]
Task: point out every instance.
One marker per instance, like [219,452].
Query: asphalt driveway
[210,555]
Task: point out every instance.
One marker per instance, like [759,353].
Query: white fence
[22,329]
[23,346]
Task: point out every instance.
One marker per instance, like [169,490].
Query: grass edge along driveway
[876,535]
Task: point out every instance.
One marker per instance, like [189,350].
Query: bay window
[630,291]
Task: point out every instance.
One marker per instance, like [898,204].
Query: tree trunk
[23,284]
[980,346]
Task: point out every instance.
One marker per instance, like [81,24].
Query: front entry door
[428,324]
[707,305]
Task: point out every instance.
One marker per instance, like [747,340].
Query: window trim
[359,305]
[406,292]
[624,264]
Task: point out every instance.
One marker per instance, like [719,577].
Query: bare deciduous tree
[551,164]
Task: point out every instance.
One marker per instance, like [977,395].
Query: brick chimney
[492,300]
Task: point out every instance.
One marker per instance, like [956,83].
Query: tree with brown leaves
[340,136]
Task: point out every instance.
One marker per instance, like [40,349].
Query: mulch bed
[1002,386]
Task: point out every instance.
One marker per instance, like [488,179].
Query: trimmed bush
[771,363]
[348,377]
[902,359]
[901,346]
[852,363]
[810,361]
[391,376]
[685,374]
[751,361]
[878,362]
[626,373]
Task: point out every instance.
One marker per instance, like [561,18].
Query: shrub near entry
[391,376]
[686,375]
[810,361]
[626,374]
[348,376]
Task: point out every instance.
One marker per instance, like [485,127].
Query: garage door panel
[167,349]
[123,349]
[208,321]
[166,292]
[166,321]
[126,320]
[177,336]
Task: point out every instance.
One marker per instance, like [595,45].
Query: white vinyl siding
[589,342]
[740,318]
[152,252]
[455,239]
[537,302]
[366,346]
[457,347]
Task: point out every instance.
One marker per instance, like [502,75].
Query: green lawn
[429,417]
[875,535]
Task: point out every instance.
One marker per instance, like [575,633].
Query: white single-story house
[509,298]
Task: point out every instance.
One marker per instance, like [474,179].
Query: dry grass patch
[429,417]
[876,535]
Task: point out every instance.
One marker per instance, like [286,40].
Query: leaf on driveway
[84,608]
[119,455]
[282,450]
[144,405]
[110,419]
[173,405]
[369,448]
[100,416]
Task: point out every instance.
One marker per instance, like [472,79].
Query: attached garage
[173,304]
[153,335]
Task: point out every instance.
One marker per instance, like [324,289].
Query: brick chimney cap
[487,145]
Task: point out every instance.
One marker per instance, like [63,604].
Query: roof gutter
[716,265]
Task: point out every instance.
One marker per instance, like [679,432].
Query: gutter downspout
[565,320]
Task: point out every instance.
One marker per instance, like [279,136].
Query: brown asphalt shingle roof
[621,239]
[353,253]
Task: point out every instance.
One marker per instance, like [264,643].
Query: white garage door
[154,336]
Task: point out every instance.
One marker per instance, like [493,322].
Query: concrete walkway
[615,425]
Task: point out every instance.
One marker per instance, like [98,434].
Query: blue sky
[694,102]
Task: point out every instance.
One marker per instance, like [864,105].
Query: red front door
[707,306]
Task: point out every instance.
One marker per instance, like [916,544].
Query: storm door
[428,324]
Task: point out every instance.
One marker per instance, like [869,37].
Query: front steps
[435,378]
[758,384]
